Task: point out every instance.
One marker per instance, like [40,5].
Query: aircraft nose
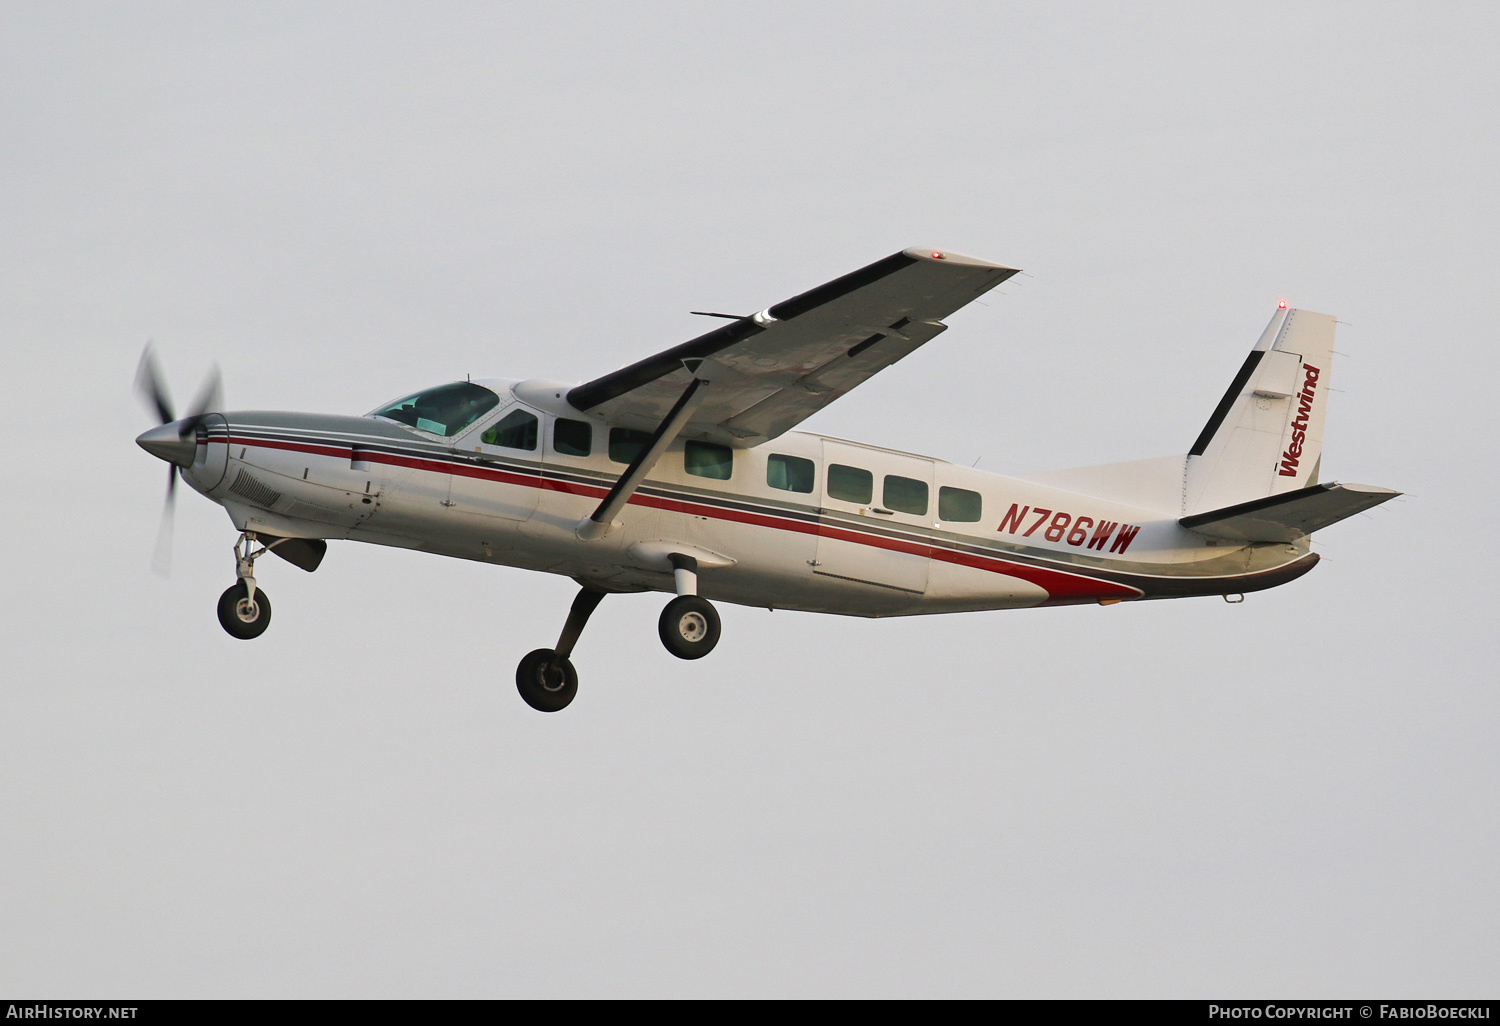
[166,443]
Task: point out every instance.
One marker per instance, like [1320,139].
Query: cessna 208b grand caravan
[681,474]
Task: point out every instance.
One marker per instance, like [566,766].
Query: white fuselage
[1022,543]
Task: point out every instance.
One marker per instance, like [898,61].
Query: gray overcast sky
[341,202]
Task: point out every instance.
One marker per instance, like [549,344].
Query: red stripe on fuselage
[1061,587]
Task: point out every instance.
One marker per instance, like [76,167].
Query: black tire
[241,618]
[545,682]
[689,627]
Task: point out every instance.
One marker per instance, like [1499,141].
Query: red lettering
[1125,537]
[1293,455]
[1074,530]
[1042,514]
[1012,520]
[1080,532]
[1057,527]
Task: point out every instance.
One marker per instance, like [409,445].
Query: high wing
[765,374]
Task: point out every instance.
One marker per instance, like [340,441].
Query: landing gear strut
[245,610]
[689,626]
[546,679]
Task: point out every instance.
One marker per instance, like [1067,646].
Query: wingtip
[933,254]
[1349,486]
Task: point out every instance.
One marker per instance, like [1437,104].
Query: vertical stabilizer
[1266,436]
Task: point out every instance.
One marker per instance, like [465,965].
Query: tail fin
[1266,436]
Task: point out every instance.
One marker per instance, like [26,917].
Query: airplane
[681,473]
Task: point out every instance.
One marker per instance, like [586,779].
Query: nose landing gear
[244,609]
[243,614]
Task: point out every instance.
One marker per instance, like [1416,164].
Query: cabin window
[626,444]
[445,410]
[960,505]
[516,430]
[573,437]
[705,459]
[850,483]
[905,495]
[790,473]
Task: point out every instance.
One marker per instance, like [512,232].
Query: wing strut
[602,521]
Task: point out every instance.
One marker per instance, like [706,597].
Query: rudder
[1266,435]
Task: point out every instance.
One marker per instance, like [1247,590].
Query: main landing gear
[244,609]
[545,678]
[689,628]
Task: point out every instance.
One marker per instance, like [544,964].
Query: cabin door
[498,471]
[875,505]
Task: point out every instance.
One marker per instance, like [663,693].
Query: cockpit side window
[445,410]
[516,430]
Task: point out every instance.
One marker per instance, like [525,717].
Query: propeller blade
[149,383]
[159,442]
[161,558]
[209,398]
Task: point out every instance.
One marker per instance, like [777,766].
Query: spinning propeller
[174,441]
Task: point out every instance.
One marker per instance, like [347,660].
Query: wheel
[546,682]
[689,627]
[242,616]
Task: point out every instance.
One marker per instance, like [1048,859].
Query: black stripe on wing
[591,393]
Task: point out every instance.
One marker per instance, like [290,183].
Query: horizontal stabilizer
[1288,516]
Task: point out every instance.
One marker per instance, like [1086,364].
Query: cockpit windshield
[445,410]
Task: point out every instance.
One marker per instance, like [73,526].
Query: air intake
[247,486]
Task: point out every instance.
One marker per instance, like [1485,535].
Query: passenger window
[626,444]
[905,495]
[959,505]
[572,437]
[705,459]
[516,430]
[790,473]
[850,483]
